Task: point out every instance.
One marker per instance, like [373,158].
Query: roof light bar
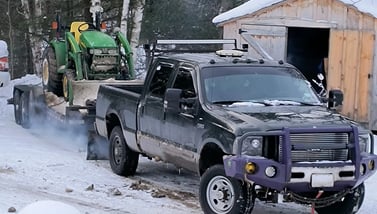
[196,41]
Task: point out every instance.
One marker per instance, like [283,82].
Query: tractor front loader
[75,66]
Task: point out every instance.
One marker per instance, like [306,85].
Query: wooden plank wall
[365,77]
[350,69]
[352,53]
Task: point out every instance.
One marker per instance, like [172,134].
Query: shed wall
[352,53]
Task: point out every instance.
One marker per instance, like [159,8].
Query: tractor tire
[68,77]
[123,160]
[220,194]
[350,204]
[51,79]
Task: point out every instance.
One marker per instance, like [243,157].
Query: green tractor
[75,66]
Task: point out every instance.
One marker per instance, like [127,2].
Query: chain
[320,202]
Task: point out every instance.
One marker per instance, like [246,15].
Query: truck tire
[16,105]
[350,205]
[51,79]
[123,160]
[220,194]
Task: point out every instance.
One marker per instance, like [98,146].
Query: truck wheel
[16,105]
[220,194]
[123,160]
[349,205]
[51,79]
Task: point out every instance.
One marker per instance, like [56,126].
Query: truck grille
[312,147]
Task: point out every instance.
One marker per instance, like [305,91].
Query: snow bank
[250,7]
[48,207]
[4,79]
[3,49]
[7,90]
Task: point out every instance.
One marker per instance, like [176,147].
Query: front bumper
[304,176]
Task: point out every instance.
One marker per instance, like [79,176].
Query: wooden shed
[337,37]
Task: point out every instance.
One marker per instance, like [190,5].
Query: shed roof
[252,6]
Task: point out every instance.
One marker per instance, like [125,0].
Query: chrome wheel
[220,194]
[117,151]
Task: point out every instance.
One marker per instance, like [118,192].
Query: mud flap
[97,147]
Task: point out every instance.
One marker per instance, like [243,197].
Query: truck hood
[260,118]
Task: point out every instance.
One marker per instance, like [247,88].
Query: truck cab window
[184,81]
[160,79]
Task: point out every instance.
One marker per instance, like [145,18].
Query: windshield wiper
[241,103]
[226,102]
[290,102]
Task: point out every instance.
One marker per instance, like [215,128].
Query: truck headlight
[365,142]
[252,146]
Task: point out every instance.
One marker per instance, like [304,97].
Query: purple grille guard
[235,164]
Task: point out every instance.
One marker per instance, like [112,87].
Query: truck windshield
[261,85]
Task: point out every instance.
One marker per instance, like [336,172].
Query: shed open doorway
[307,49]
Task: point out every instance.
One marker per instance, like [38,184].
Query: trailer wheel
[16,105]
[24,108]
[221,194]
[51,79]
[350,204]
[123,160]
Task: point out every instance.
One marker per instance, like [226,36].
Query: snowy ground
[45,164]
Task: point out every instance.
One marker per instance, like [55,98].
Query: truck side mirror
[335,98]
[172,100]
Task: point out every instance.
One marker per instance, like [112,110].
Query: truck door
[179,129]
[151,108]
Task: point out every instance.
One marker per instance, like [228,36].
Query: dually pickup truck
[252,129]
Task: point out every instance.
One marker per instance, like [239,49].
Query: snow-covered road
[44,164]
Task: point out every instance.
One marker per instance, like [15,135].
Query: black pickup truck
[250,128]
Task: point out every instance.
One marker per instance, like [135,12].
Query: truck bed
[123,98]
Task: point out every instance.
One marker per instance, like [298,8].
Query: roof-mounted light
[230,53]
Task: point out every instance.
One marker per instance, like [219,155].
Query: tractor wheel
[51,79]
[68,77]
[350,204]
[123,160]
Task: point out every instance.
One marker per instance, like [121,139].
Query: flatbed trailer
[35,105]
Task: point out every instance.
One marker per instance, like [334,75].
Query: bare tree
[33,14]
[137,12]
[11,65]
[124,17]
[132,16]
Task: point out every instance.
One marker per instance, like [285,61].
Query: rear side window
[160,79]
